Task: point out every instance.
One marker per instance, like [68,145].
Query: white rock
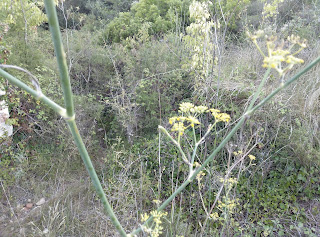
[41,201]
[5,129]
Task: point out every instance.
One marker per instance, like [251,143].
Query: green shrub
[162,16]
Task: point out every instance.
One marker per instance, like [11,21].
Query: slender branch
[184,157]
[34,80]
[255,97]
[37,94]
[61,56]
[199,142]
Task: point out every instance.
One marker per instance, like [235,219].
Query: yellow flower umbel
[190,114]
[220,117]
[278,58]
[178,127]
[156,229]
[181,123]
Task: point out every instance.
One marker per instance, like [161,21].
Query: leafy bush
[161,16]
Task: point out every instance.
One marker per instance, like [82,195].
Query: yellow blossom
[251,157]
[214,216]
[196,164]
[157,202]
[172,120]
[293,60]
[223,117]
[193,120]
[200,175]
[144,217]
[278,58]
[200,109]
[181,119]
[178,127]
[186,107]
[214,111]
[237,152]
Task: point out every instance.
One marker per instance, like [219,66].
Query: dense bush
[157,16]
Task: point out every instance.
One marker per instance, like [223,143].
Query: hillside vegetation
[150,79]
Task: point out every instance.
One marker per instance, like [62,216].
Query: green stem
[61,56]
[67,92]
[37,94]
[184,157]
[256,44]
[194,136]
[77,138]
[257,93]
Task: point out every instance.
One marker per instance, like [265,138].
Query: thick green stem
[67,92]
[95,180]
[60,54]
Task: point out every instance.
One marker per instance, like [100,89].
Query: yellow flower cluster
[220,117]
[187,107]
[230,180]
[228,204]
[214,216]
[196,164]
[157,202]
[251,157]
[156,230]
[144,217]
[200,176]
[178,127]
[278,58]
[271,9]
[191,113]
[237,153]
[229,183]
